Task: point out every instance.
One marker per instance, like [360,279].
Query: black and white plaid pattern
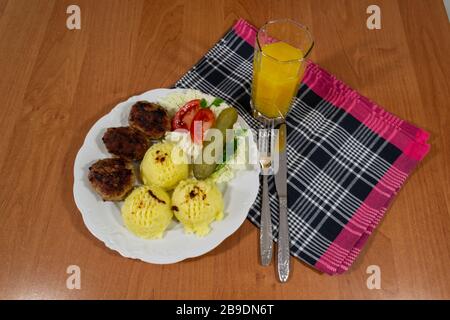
[334,160]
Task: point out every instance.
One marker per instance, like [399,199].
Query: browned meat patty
[112,178]
[126,142]
[149,118]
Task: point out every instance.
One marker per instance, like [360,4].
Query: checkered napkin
[347,157]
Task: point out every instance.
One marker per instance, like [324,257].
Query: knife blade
[281,174]
[283,252]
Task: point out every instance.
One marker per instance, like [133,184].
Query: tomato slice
[183,118]
[203,120]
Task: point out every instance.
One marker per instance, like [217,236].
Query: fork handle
[265,243]
[283,261]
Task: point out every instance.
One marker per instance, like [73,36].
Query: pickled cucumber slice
[226,120]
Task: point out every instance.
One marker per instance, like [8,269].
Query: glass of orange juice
[278,66]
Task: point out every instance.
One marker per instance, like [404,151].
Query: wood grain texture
[56,83]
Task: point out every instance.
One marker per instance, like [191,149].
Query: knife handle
[283,261]
[265,243]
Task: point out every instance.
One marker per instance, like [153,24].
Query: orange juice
[277,72]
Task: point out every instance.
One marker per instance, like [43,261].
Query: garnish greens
[215,103]
[235,141]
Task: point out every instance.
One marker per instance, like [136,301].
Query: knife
[283,261]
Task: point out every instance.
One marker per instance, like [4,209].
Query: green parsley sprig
[215,103]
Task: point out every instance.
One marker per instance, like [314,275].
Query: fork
[265,161]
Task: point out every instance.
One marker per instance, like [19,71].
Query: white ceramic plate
[104,221]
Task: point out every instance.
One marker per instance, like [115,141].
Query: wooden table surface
[55,83]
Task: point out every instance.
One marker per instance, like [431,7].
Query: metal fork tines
[264,147]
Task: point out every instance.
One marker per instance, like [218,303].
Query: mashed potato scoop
[164,165]
[196,204]
[147,212]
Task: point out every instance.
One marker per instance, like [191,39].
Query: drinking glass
[278,66]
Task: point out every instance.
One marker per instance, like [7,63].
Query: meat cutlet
[126,142]
[112,178]
[150,118]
